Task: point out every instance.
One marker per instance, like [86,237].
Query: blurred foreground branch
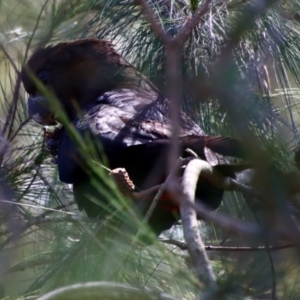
[103,290]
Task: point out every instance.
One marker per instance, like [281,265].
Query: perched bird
[106,98]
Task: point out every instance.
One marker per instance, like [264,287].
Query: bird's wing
[132,117]
[148,105]
[121,126]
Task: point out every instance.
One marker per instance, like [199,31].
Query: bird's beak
[39,110]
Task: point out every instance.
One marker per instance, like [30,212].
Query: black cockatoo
[105,97]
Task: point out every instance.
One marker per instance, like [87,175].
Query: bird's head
[76,73]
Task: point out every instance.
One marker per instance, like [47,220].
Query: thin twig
[145,193]
[183,246]
[19,128]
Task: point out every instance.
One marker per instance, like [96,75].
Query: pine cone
[123,181]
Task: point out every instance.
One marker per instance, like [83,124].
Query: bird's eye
[44,76]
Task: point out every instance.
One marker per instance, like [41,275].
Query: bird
[107,99]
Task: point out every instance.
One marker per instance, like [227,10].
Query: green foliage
[56,245]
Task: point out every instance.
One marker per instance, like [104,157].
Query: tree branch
[188,215]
